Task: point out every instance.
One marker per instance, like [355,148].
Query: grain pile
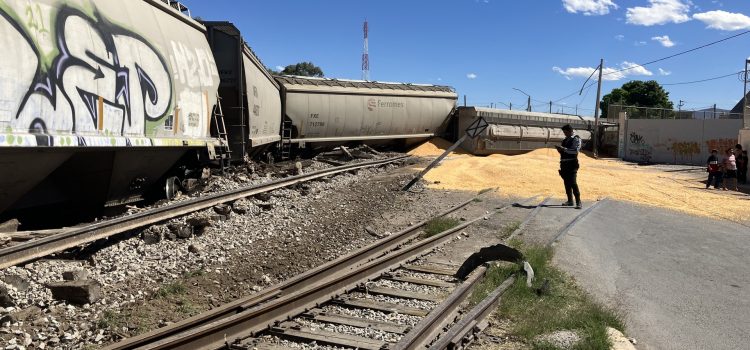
[535,173]
[434,148]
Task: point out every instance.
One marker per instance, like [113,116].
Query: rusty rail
[277,304]
[462,332]
[290,286]
[38,248]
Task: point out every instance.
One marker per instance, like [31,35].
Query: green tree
[637,93]
[272,71]
[305,69]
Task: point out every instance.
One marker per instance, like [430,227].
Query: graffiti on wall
[639,149]
[684,151]
[83,73]
[721,144]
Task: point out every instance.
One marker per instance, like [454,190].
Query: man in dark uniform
[569,150]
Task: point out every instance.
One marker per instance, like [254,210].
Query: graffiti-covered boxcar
[98,99]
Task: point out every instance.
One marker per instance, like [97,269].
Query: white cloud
[664,72]
[589,7]
[609,73]
[660,12]
[280,68]
[664,40]
[723,20]
[640,43]
[619,37]
[635,69]
[471,76]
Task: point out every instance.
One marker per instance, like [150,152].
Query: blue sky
[485,48]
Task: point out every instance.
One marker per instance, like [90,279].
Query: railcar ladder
[223,152]
[286,139]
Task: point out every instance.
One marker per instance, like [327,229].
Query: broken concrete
[5,298]
[76,292]
[76,275]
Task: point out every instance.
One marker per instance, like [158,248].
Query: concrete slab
[681,281]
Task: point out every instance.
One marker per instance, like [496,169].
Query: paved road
[682,281]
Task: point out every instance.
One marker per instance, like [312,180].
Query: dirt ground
[533,173]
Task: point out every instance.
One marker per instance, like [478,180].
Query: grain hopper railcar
[322,111]
[512,132]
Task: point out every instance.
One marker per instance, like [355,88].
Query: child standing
[714,170]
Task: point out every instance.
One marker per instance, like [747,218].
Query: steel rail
[251,321]
[428,328]
[38,248]
[289,286]
[455,337]
[431,327]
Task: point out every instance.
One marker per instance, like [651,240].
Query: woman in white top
[730,169]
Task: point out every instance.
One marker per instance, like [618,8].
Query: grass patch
[509,229]
[186,307]
[110,320]
[171,289]
[195,273]
[477,200]
[564,307]
[438,225]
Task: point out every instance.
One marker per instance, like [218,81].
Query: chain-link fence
[634,112]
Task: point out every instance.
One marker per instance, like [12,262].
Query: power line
[663,59]
[679,53]
[703,80]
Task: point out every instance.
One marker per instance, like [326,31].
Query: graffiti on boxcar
[108,76]
[77,71]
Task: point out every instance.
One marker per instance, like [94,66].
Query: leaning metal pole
[596,111]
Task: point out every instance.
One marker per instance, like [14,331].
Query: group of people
[731,169]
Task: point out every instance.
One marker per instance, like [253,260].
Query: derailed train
[99,100]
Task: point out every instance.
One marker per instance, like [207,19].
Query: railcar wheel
[171,187]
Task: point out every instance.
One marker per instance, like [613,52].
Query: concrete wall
[682,141]
[107,70]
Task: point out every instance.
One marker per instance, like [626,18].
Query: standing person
[741,163]
[714,170]
[744,169]
[730,169]
[569,150]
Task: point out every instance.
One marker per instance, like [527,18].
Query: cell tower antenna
[366,56]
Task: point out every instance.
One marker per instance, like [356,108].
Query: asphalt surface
[682,282]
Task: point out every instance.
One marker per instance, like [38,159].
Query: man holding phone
[569,150]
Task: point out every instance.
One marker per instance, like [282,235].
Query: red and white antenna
[366,56]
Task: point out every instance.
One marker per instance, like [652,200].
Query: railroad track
[38,248]
[371,280]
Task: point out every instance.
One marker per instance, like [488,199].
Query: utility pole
[596,112]
[746,123]
[528,103]
[679,106]
[550,107]
[714,112]
[464,100]
[511,106]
